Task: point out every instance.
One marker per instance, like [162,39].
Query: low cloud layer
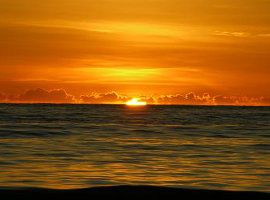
[40,95]
[188,99]
[111,97]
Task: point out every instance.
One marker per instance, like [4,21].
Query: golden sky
[135,47]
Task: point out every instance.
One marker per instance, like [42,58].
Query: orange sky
[135,47]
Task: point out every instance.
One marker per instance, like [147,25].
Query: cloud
[40,95]
[225,100]
[241,101]
[188,99]
[148,100]
[231,34]
[111,97]
[264,35]
[52,45]
[206,99]
[43,96]
[66,53]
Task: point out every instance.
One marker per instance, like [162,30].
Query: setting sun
[135,102]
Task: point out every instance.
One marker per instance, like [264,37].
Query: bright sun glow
[135,102]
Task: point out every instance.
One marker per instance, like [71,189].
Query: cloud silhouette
[225,100]
[241,100]
[206,99]
[188,99]
[111,97]
[148,100]
[40,95]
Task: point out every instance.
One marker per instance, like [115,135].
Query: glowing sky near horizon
[136,47]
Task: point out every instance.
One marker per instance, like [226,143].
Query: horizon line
[123,104]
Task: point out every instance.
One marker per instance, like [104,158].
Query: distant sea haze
[78,146]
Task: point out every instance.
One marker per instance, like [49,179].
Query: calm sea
[77,146]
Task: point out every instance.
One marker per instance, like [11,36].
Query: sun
[135,102]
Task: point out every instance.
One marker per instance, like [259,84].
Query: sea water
[79,146]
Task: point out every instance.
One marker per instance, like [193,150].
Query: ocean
[81,146]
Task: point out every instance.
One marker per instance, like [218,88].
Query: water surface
[76,146]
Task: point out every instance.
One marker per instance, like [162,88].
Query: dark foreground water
[75,146]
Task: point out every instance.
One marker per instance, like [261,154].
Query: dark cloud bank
[40,95]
